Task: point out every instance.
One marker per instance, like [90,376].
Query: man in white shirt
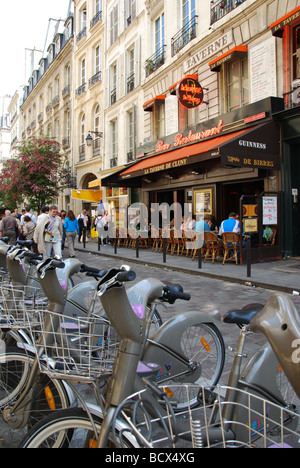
[27,213]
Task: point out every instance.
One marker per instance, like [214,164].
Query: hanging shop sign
[189,93]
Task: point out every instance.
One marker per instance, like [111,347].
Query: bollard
[137,245]
[164,250]
[200,258]
[116,246]
[99,243]
[249,257]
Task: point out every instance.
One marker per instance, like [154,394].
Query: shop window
[237,84]
[159,120]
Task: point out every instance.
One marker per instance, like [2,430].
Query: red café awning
[239,51]
[156,163]
[278,26]
[258,148]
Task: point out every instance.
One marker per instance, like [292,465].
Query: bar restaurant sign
[189,93]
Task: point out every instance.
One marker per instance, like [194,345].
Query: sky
[23,25]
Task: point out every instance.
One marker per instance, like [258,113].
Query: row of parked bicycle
[155,384]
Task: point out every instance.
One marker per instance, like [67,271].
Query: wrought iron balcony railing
[184,36]
[95,19]
[221,8]
[155,61]
[95,79]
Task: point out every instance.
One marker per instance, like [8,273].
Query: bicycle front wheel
[48,394]
[203,346]
[70,428]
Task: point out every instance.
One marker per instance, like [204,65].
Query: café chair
[231,242]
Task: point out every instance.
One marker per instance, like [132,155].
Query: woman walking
[48,234]
[71,228]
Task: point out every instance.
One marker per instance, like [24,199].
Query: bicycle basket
[72,347]
[253,421]
[18,305]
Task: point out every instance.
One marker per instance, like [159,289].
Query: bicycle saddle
[243,316]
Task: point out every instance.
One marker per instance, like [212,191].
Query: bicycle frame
[17,415]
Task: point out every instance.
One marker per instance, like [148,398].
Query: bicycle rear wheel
[70,428]
[203,346]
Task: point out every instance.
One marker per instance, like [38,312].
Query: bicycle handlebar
[124,276]
[171,294]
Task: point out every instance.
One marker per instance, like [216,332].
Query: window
[96,141]
[188,11]
[296,53]
[82,138]
[130,11]
[97,59]
[114,144]
[159,120]
[114,24]
[83,19]
[159,33]
[113,84]
[98,6]
[130,67]
[83,72]
[68,75]
[237,84]
[130,135]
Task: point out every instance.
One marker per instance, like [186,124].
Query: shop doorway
[169,197]
[232,194]
[294,193]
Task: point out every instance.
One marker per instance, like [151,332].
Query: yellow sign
[87,195]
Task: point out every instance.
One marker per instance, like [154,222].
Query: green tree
[35,175]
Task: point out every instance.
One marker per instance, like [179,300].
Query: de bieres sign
[259,148]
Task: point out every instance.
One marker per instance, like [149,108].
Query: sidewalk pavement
[278,275]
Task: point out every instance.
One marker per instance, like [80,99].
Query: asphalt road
[206,295]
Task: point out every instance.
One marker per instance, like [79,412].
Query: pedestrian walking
[101,225]
[71,229]
[82,225]
[8,227]
[48,234]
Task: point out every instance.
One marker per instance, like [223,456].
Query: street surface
[206,295]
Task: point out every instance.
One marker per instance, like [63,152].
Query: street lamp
[89,138]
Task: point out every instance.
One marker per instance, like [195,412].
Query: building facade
[189,102]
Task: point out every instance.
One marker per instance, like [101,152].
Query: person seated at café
[230,225]
[203,224]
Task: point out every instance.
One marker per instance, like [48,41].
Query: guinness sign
[189,93]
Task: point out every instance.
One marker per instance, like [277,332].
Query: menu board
[269,205]
[262,70]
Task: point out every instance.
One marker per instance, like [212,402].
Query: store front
[287,29]
[211,168]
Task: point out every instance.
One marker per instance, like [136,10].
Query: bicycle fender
[169,335]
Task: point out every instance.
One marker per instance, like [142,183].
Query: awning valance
[236,52]
[278,26]
[87,195]
[256,147]
[148,106]
[104,174]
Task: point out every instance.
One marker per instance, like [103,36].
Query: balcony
[95,19]
[184,36]
[96,146]
[155,61]
[130,156]
[81,34]
[81,152]
[130,83]
[292,98]
[66,91]
[114,162]
[66,142]
[55,102]
[81,90]
[113,96]
[95,79]
[221,8]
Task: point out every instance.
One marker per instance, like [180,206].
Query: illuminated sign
[189,93]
